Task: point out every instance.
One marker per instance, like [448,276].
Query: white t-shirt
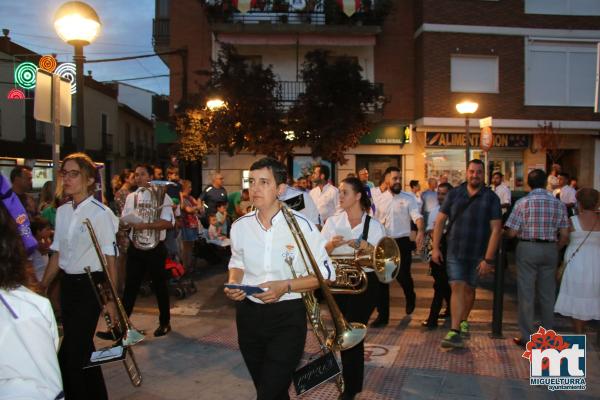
[28,363]
[567,195]
[396,218]
[327,201]
[340,225]
[144,198]
[503,192]
[73,241]
[264,254]
[310,210]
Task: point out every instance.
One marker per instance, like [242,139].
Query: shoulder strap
[365,232]
[576,224]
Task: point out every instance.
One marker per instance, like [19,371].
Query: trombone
[345,335]
[131,335]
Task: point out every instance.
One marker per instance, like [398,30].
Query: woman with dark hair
[579,295]
[28,334]
[350,230]
[74,251]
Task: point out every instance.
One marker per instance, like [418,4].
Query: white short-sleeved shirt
[432,216]
[567,195]
[28,365]
[430,200]
[143,198]
[375,193]
[503,192]
[396,218]
[262,253]
[340,225]
[382,203]
[72,240]
[327,201]
[310,210]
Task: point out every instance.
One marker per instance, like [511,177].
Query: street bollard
[499,292]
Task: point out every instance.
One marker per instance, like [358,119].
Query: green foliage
[333,113]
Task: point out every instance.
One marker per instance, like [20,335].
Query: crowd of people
[458,228]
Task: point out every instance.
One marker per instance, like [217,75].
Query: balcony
[288,92]
[311,12]
[160,34]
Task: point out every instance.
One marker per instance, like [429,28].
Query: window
[563,7]
[560,74]
[104,124]
[474,74]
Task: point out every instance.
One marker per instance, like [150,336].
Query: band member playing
[140,261]
[74,251]
[272,325]
[346,232]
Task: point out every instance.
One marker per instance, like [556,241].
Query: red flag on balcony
[349,7]
[243,6]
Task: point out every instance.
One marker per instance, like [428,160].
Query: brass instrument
[345,335]
[383,258]
[149,211]
[131,335]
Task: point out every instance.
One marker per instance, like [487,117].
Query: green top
[233,199]
[50,214]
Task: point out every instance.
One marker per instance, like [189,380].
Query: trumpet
[131,335]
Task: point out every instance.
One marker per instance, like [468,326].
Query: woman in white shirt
[345,232]
[28,335]
[74,250]
[272,325]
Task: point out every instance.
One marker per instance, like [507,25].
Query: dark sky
[126,31]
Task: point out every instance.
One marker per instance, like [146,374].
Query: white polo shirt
[28,365]
[262,253]
[396,218]
[310,210]
[72,240]
[382,203]
[144,197]
[375,193]
[503,192]
[432,216]
[340,225]
[430,200]
[327,201]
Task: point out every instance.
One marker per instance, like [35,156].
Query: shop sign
[388,134]
[437,139]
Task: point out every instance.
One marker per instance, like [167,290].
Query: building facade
[530,65]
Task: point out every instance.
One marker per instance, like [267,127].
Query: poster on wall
[304,165]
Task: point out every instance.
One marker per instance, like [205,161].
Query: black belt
[537,240]
[84,276]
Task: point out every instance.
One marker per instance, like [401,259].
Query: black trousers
[357,308]
[441,290]
[140,262]
[271,338]
[80,312]
[404,278]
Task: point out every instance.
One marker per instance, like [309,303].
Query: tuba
[383,258]
[149,211]
[131,335]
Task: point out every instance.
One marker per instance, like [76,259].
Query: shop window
[450,163]
[474,74]
[563,7]
[560,74]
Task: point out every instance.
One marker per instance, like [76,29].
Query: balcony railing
[288,92]
[160,31]
[313,12]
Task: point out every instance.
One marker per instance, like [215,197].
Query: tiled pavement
[200,358]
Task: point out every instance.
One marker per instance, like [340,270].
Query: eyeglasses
[71,174]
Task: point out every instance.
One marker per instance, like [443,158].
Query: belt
[84,276]
[537,240]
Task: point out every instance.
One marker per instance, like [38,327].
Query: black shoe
[519,342]
[162,330]
[410,304]
[347,396]
[429,325]
[107,335]
[379,323]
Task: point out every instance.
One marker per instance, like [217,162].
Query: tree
[251,119]
[333,113]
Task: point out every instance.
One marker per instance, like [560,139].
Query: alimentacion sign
[444,139]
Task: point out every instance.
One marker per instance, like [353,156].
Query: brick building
[528,63]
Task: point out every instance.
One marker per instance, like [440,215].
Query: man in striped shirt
[540,222]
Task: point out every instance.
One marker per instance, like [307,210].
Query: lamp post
[467,108]
[77,24]
[214,105]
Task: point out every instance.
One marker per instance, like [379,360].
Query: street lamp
[213,105]
[467,108]
[77,24]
